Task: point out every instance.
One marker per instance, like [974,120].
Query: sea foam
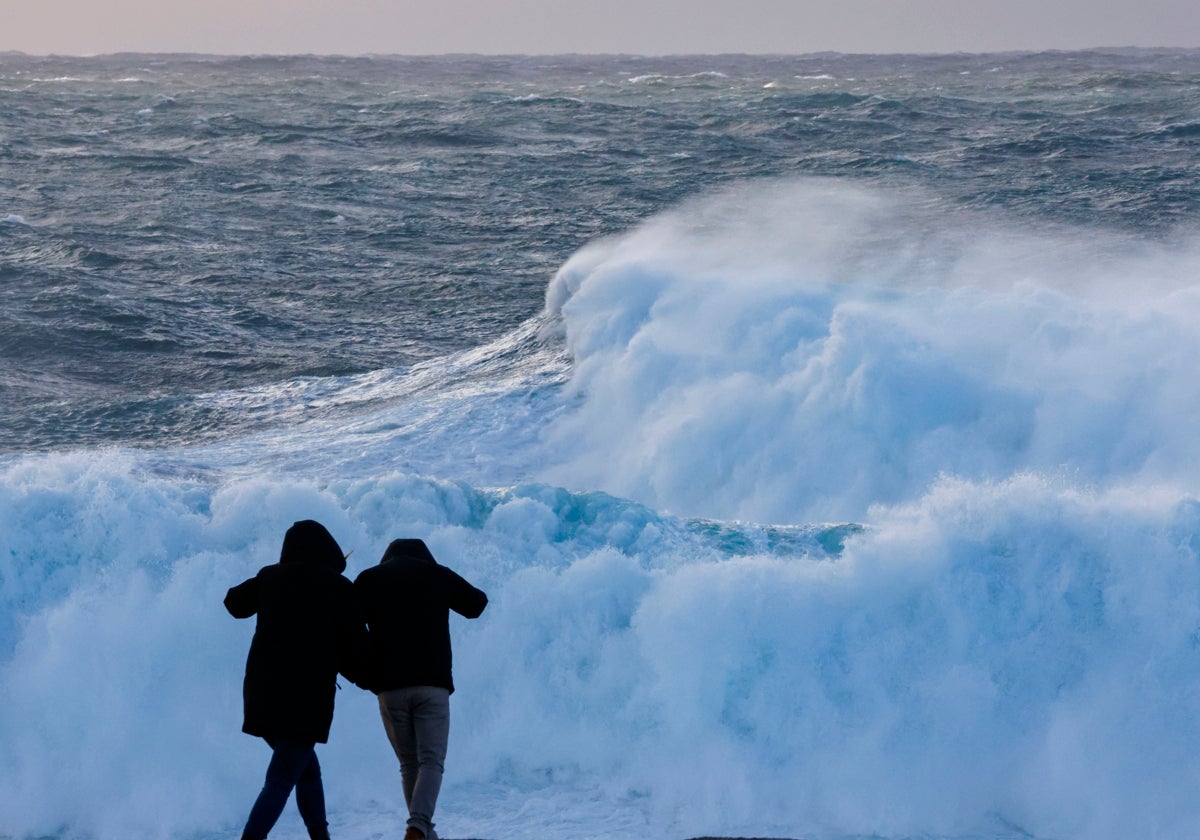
[800,351]
[1016,653]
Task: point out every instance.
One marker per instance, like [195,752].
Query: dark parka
[309,628]
[406,601]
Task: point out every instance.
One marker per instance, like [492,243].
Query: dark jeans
[293,765]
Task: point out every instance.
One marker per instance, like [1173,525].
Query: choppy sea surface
[822,428]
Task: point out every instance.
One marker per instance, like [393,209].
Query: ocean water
[822,428]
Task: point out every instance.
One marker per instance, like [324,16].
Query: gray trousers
[417,722]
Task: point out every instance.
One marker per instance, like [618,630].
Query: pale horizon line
[608,54]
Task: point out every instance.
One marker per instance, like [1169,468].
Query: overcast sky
[648,27]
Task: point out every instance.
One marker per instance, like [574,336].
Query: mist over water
[830,507]
[796,351]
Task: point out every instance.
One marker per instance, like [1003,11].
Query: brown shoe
[414,834]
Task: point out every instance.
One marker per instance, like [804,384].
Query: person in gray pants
[406,601]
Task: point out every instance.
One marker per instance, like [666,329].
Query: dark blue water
[188,225]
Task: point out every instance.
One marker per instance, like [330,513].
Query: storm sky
[647,27]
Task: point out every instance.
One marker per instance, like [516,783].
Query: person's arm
[464,598]
[242,600]
[354,643]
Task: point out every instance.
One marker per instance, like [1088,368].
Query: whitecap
[836,347]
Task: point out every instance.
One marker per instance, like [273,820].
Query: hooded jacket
[406,600]
[308,629]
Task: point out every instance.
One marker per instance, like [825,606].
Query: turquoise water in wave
[820,427]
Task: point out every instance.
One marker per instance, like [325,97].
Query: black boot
[321,833]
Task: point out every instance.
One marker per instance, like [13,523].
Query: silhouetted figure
[406,600]
[309,628]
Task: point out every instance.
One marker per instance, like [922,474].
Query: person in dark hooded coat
[309,629]
[407,600]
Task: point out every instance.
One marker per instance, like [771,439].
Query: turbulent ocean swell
[798,351]
[838,506]
[182,225]
[1001,638]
